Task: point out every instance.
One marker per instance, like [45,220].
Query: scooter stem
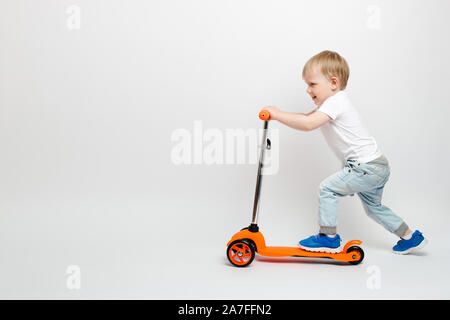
[263,115]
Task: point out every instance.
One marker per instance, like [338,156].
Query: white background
[87,115]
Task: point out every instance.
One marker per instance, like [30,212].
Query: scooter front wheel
[240,253]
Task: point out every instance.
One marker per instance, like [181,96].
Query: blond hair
[331,64]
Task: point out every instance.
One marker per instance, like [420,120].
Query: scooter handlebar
[264,115]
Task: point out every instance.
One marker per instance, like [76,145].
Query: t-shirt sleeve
[331,107]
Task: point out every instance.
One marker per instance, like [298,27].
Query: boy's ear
[334,83]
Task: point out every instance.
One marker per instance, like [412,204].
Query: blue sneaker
[416,242]
[322,243]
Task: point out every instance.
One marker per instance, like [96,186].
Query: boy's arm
[300,121]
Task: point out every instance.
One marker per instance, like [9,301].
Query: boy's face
[319,87]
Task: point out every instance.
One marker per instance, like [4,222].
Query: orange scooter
[244,245]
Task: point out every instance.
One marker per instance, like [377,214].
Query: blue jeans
[365,179]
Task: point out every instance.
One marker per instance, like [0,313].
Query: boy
[365,169]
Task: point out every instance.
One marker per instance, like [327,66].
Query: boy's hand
[273,111]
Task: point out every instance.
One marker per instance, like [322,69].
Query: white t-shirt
[345,133]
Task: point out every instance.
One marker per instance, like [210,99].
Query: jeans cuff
[401,230]
[327,230]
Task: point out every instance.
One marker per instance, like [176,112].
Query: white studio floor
[123,251]
[382,275]
[201,271]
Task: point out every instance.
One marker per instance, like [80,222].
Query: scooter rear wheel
[359,251]
[240,253]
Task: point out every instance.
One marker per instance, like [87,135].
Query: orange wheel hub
[240,253]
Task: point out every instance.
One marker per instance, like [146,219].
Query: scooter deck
[298,252]
[268,251]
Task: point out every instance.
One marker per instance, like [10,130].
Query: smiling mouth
[314,97]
